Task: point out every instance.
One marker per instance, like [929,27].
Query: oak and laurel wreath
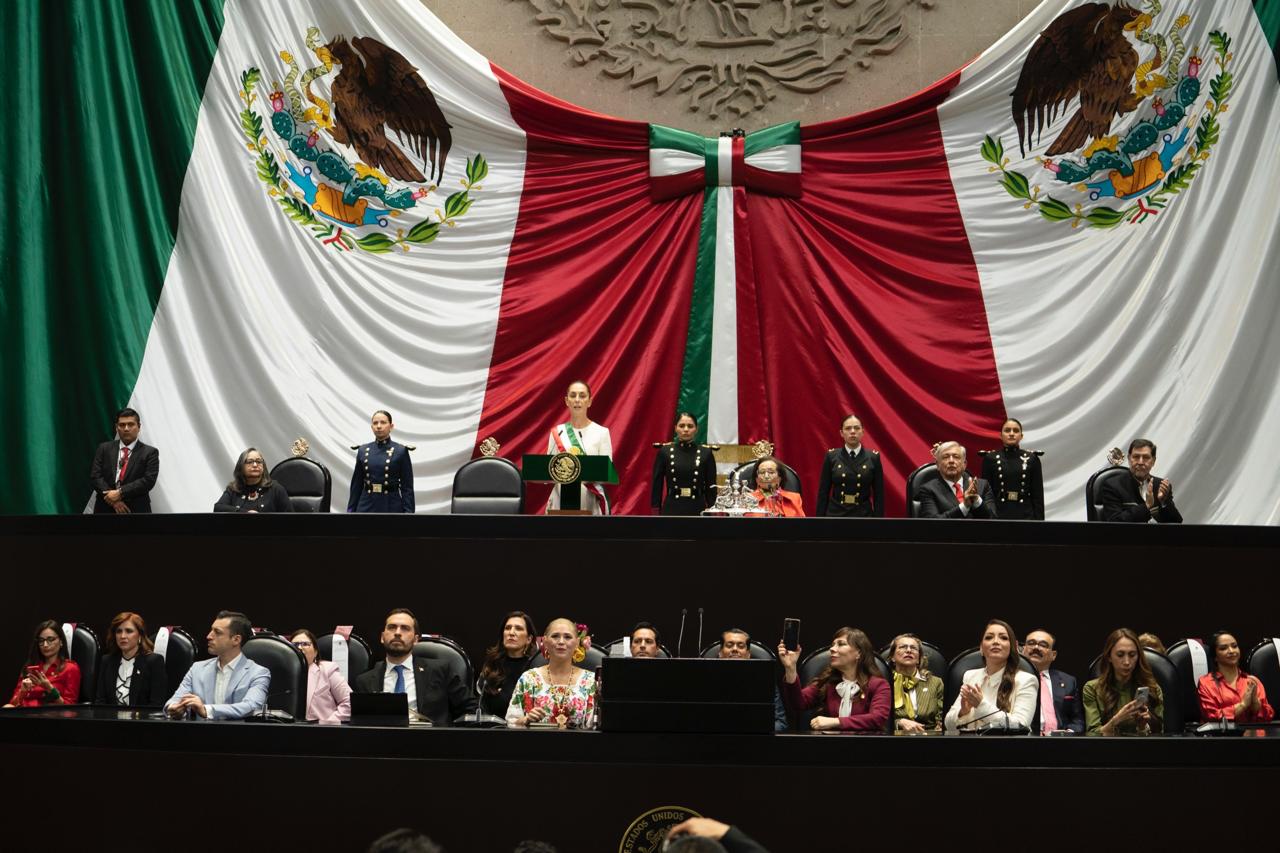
[455,206]
[1207,134]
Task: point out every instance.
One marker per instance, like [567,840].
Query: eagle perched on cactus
[1083,52]
[378,90]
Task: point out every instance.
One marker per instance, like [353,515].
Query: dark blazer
[851,485]
[441,698]
[1066,701]
[139,478]
[271,499]
[938,501]
[149,686]
[1121,501]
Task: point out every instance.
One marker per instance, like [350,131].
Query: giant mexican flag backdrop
[255,220]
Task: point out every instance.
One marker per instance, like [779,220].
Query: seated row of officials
[848,695]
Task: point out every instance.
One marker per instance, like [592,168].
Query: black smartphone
[791,634]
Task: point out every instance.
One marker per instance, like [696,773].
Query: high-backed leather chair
[178,657]
[608,648]
[1093,490]
[816,661]
[308,483]
[359,655]
[758,651]
[1173,701]
[288,691]
[972,659]
[489,485]
[1265,664]
[790,480]
[85,651]
[1186,689]
[916,479]
[442,648]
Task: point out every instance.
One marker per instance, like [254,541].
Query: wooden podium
[569,470]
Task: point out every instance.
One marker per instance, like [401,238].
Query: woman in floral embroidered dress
[559,692]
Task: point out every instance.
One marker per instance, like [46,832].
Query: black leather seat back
[608,648]
[916,479]
[489,485]
[1188,687]
[308,483]
[1093,490]
[972,659]
[1265,664]
[441,648]
[178,657]
[359,655]
[746,473]
[85,652]
[288,691]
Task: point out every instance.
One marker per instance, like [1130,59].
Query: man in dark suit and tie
[434,693]
[852,482]
[955,493]
[1143,497]
[124,471]
[1060,707]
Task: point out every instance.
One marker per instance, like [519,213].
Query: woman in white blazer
[999,695]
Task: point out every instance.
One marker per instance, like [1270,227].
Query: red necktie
[124,465]
[959,492]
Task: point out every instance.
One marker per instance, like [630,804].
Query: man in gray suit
[229,686]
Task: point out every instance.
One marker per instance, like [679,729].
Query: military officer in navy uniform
[383,477]
[852,481]
[686,469]
[1015,475]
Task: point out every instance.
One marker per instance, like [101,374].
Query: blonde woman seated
[917,693]
[1125,698]
[559,692]
[999,695]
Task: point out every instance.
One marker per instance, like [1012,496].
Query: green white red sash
[572,434]
[723,319]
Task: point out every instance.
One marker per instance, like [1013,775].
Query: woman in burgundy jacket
[849,693]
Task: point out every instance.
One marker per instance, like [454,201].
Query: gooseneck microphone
[699,630]
[684,611]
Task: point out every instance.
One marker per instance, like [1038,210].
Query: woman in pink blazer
[328,694]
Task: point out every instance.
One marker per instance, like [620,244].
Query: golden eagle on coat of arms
[374,200]
[1139,125]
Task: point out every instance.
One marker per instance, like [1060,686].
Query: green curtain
[100,102]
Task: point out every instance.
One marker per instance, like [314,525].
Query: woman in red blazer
[1229,691]
[48,678]
[849,691]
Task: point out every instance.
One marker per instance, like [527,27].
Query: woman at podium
[686,471]
[582,437]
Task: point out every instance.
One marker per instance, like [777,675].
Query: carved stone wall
[706,65]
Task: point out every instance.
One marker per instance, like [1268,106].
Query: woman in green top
[917,693]
[1110,706]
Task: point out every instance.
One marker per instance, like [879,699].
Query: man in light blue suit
[227,687]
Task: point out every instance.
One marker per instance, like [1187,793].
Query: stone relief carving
[728,57]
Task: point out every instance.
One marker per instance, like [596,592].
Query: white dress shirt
[410,686]
[1021,709]
[223,678]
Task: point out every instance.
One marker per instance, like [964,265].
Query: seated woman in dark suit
[506,661]
[251,488]
[917,693]
[1228,691]
[48,678]
[1112,705]
[129,674]
[849,690]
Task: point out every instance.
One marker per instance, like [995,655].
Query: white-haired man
[955,493]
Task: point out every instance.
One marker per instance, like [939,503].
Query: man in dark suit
[955,493]
[433,692]
[1143,497]
[124,471]
[852,482]
[1067,714]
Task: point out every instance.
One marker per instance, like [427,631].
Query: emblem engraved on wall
[727,57]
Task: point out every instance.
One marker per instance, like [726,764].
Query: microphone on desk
[699,630]
[684,611]
[1007,729]
[266,715]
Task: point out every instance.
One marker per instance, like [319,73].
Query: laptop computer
[380,709]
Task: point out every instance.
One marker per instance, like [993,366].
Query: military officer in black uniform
[687,469]
[1015,475]
[852,481]
[383,477]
